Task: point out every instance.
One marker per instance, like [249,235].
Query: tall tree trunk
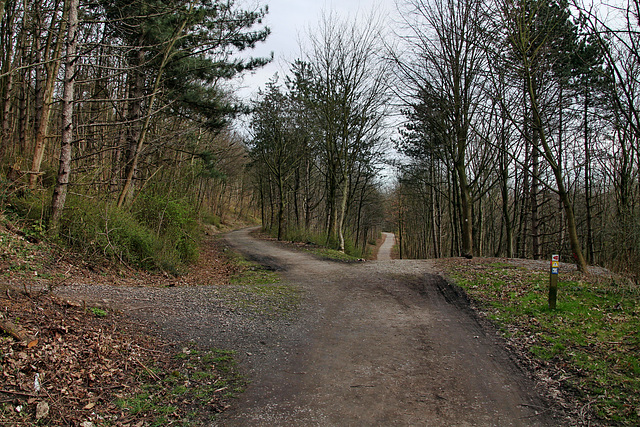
[587,178]
[574,240]
[504,190]
[52,68]
[135,90]
[23,110]
[8,83]
[307,198]
[535,180]
[280,205]
[64,170]
[433,210]
[535,189]
[466,207]
[343,211]
[400,227]
[480,229]
[133,165]
[6,117]
[561,166]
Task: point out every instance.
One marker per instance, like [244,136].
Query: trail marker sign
[553,281]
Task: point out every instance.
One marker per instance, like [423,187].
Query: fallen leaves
[78,366]
[73,366]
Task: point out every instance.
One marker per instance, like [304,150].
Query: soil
[376,343]
[381,343]
[384,253]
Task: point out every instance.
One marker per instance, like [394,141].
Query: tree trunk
[47,97]
[343,211]
[280,206]
[587,178]
[466,206]
[135,91]
[433,210]
[127,189]
[64,171]
[8,84]
[6,117]
[504,190]
[535,179]
[574,240]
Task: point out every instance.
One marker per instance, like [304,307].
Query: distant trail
[384,253]
[382,343]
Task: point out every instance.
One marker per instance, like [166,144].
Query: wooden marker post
[553,281]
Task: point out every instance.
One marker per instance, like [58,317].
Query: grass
[592,335]
[98,312]
[258,290]
[192,389]
[326,248]
[332,255]
[249,273]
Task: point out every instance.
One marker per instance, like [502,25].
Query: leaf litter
[94,366]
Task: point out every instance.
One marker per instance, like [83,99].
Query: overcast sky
[290,22]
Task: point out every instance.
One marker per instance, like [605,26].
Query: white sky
[290,22]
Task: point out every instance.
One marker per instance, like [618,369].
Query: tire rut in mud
[385,343]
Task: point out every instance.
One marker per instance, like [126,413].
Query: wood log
[17,332]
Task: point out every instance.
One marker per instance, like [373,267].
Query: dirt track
[379,343]
[384,253]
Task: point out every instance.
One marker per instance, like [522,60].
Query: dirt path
[381,343]
[375,343]
[384,253]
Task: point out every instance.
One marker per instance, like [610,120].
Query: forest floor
[318,343]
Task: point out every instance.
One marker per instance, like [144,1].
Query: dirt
[381,343]
[384,253]
[375,343]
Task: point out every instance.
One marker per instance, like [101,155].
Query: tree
[183,51]
[52,59]
[274,143]
[531,26]
[442,75]
[64,170]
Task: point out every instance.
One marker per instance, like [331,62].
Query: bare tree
[530,27]
[351,94]
[64,170]
[442,70]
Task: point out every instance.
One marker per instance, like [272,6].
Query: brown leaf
[42,410]
[32,343]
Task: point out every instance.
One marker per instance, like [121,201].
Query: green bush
[154,235]
[174,221]
[28,204]
[164,215]
[212,219]
[115,233]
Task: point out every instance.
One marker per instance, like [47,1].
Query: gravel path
[375,343]
[384,253]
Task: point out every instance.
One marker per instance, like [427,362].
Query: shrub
[156,233]
[212,219]
[174,221]
[115,233]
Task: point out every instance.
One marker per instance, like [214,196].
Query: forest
[511,127]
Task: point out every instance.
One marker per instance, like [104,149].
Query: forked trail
[379,343]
